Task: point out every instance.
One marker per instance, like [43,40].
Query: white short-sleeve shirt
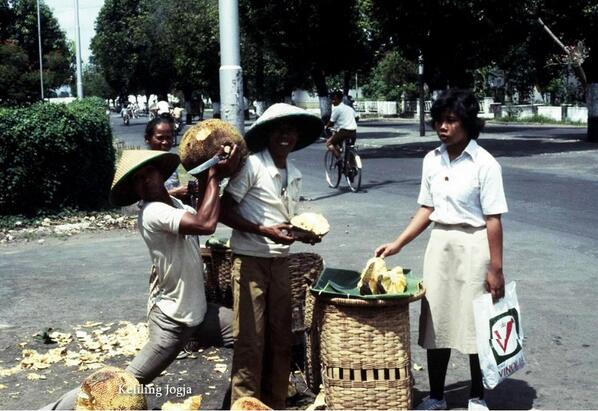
[343,117]
[176,285]
[464,190]
[261,198]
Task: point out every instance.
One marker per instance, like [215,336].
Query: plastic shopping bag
[499,336]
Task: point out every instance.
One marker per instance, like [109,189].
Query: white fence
[488,109]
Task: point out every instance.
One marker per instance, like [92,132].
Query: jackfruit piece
[191,403]
[368,280]
[203,141]
[249,403]
[111,388]
[312,222]
[392,282]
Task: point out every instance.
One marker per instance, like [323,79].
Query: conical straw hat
[122,193]
[309,125]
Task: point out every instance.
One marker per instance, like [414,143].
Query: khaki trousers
[261,329]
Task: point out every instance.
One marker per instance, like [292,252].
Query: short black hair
[463,104]
[151,126]
[337,93]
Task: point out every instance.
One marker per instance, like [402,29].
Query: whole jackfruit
[377,279]
[111,388]
[203,141]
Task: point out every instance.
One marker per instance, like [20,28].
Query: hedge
[55,156]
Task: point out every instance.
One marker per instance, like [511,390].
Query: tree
[94,82]
[313,39]
[117,45]
[392,76]
[19,65]
[574,25]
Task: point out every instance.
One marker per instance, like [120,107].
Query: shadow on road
[521,147]
[364,188]
[511,394]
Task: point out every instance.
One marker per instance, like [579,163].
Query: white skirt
[455,266]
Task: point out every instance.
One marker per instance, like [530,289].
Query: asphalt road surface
[550,240]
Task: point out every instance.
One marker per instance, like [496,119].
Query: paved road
[551,250]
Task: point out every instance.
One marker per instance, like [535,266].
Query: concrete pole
[78,52]
[422,104]
[39,42]
[231,74]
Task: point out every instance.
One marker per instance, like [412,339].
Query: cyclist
[343,120]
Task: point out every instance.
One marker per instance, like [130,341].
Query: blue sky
[64,12]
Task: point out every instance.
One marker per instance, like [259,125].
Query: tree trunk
[322,89]
[188,94]
[346,82]
[592,103]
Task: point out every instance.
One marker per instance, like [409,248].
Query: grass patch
[536,119]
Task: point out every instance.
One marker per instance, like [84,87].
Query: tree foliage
[19,54]
[391,77]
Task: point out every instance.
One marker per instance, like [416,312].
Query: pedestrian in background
[462,194]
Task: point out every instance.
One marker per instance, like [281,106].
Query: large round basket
[303,269]
[365,352]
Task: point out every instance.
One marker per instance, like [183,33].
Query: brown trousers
[261,329]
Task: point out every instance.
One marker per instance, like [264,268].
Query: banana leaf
[335,282]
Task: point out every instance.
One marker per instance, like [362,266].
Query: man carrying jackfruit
[177,308]
[258,204]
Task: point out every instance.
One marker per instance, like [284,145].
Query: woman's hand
[495,283]
[386,250]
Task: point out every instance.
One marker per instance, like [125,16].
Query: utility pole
[422,105]
[39,42]
[78,52]
[231,74]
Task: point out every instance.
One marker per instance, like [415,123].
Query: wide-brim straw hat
[309,125]
[122,192]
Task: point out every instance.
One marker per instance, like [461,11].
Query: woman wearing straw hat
[258,204]
[177,307]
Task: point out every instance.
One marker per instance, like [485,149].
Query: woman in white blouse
[462,194]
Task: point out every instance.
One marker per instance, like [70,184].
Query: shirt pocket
[466,191]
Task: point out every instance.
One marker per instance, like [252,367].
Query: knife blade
[204,166]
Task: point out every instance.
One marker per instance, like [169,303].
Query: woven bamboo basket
[303,269]
[365,352]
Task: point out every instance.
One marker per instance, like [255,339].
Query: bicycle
[348,164]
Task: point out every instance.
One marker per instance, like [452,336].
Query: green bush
[55,156]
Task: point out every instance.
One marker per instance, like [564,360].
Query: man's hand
[279,233]
[227,167]
[179,192]
[495,283]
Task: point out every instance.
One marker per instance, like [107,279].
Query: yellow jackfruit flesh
[367,282]
[110,388]
[203,141]
[312,222]
[392,282]
[377,279]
